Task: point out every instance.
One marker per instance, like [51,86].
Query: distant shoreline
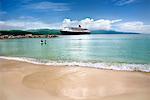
[26,36]
[56,32]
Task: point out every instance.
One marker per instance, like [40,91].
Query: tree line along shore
[17,34]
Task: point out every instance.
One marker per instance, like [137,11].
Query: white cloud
[135,26]
[123,2]
[45,5]
[23,25]
[92,24]
[101,24]
[85,23]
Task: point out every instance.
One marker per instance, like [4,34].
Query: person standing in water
[41,42]
[45,42]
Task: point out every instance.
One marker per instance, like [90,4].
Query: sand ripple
[76,83]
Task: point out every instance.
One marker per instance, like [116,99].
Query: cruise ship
[74,31]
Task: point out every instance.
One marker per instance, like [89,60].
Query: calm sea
[119,52]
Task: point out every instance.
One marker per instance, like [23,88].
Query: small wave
[111,66]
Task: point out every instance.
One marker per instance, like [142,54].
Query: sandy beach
[26,81]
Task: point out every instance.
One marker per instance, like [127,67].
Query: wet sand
[26,81]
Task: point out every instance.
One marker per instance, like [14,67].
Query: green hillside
[110,32]
[54,32]
[14,32]
[45,31]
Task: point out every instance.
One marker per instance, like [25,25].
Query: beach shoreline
[106,66]
[26,81]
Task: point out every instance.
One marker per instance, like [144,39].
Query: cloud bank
[91,24]
[100,24]
[135,26]
[24,25]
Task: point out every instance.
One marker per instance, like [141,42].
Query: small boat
[74,31]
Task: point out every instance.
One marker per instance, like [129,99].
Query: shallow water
[130,51]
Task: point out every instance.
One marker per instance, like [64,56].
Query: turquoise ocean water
[113,51]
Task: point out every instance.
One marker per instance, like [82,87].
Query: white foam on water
[101,65]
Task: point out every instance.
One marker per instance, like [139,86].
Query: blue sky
[121,15]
